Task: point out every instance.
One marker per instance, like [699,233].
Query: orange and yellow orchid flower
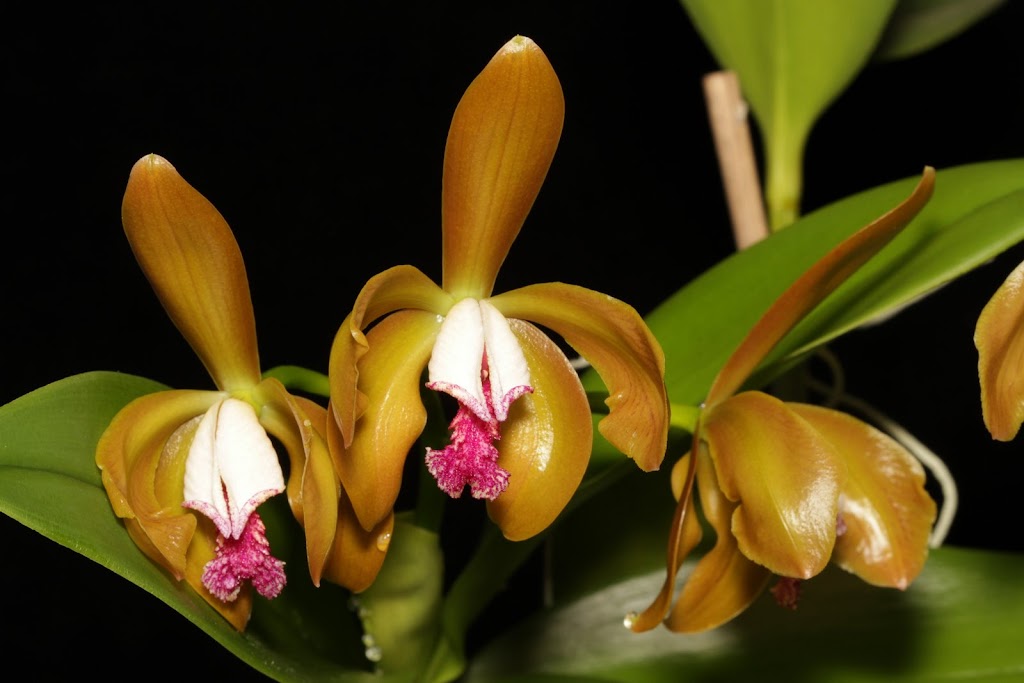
[1000,345]
[787,487]
[187,469]
[522,436]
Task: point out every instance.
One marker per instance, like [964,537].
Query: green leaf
[793,58]
[960,620]
[977,212]
[50,483]
[920,25]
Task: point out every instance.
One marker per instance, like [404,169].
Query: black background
[319,134]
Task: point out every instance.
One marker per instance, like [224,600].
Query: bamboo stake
[727,113]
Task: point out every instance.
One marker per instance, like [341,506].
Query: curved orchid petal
[685,534]
[391,290]
[887,513]
[1001,358]
[191,259]
[398,348]
[785,478]
[313,485]
[724,582]
[814,285]
[501,142]
[613,338]
[545,444]
[144,437]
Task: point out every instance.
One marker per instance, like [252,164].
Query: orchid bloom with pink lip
[522,436]
[187,469]
[788,487]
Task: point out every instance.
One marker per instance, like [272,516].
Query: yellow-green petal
[191,259]
[785,478]
[545,443]
[724,582]
[401,287]
[390,373]
[999,337]
[501,142]
[884,506]
[614,339]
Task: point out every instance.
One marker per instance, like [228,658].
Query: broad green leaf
[959,621]
[50,483]
[977,212]
[920,25]
[793,58]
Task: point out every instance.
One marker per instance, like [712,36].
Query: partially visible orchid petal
[357,554]
[724,582]
[144,436]
[684,535]
[191,259]
[501,142]
[545,444]
[614,339]
[300,425]
[785,478]
[401,287]
[232,467]
[390,375]
[886,511]
[1000,342]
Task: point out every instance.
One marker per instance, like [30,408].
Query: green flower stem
[298,378]
[683,416]
[784,176]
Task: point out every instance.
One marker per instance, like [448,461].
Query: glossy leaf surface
[959,621]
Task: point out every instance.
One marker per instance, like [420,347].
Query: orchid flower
[787,487]
[1000,345]
[187,469]
[522,436]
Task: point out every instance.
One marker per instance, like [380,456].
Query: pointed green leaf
[920,25]
[793,58]
[50,483]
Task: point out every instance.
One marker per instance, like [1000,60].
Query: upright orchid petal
[191,259]
[501,142]
[1001,358]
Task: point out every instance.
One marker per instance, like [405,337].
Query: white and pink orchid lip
[231,469]
[478,361]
